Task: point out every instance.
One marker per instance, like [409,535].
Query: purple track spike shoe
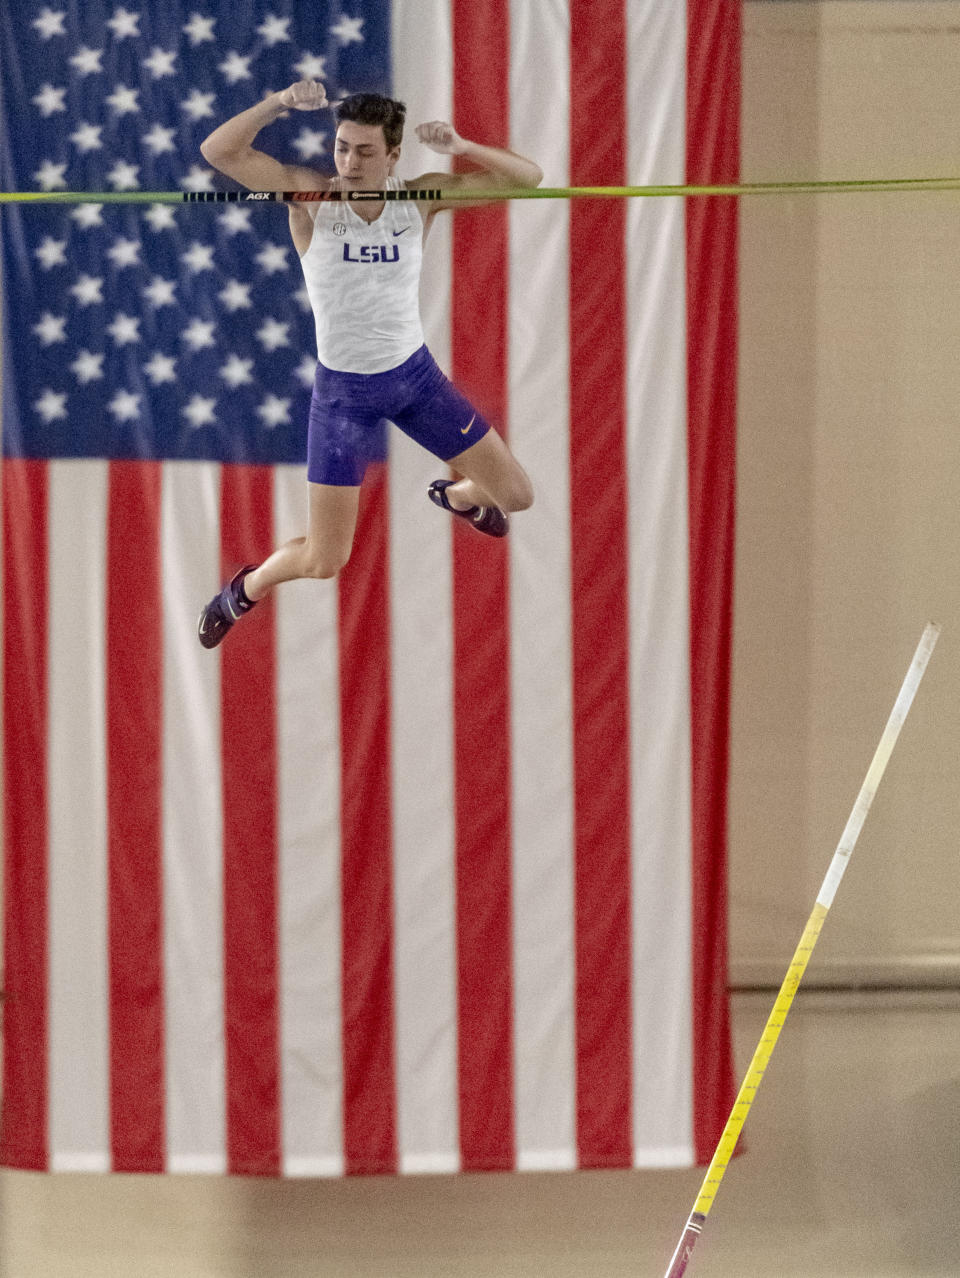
[486,519]
[223,610]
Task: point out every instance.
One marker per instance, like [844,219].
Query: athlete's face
[361,156]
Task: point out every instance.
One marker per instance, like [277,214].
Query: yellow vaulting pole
[801,957]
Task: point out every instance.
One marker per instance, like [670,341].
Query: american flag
[423,870]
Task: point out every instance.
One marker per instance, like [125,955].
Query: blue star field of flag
[157,330]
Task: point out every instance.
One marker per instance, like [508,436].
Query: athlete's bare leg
[492,477]
[331,523]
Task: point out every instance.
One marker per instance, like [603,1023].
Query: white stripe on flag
[540,639]
[308,801]
[421,667]
[192,825]
[423,79]
[422,719]
[659,593]
[79,1120]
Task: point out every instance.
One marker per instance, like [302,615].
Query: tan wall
[849,488]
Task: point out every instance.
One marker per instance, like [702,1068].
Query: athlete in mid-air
[361,262]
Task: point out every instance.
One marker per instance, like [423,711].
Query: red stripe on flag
[134,751]
[481,628]
[248,730]
[23,1130]
[599,571]
[369,1078]
[713,156]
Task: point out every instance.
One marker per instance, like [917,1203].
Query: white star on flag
[49,100]
[161,368]
[51,328]
[51,405]
[160,292]
[199,105]
[88,215]
[50,175]
[199,412]
[306,371]
[159,139]
[125,329]
[312,66]
[199,29]
[302,298]
[274,30]
[87,137]
[272,258]
[235,68]
[124,24]
[125,406]
[272,334]
[87,61]
[87,367]
[51,252]
[50,23]
[274,411]
[198,179]
[124,253]
[123,176]
[123,101]
[236,296]
[199,257]
[88,289]
[199,334]
[235,219]
[160,217]
[347,30]
[309,142]
[237,372]
[160,63]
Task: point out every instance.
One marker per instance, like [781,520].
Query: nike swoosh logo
[396,233]
[465,430]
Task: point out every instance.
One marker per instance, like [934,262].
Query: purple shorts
[347,412]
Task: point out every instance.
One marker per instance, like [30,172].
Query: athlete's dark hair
[372,108]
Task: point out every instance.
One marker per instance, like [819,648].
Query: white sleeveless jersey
[363,281]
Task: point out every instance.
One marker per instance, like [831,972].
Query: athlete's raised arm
[497,167]
[230,149]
